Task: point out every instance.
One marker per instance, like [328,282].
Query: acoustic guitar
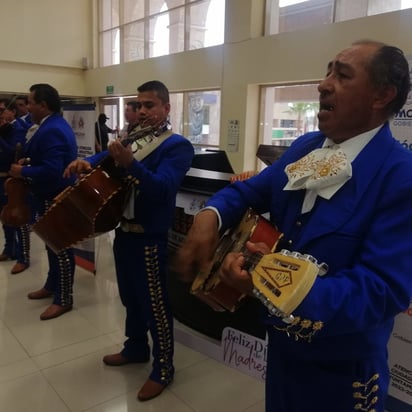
[207,285]
[281,280]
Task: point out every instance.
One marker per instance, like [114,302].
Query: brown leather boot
[4,257]
[54,311]
[18,268]
[150,390]
[117,359]
[40,294]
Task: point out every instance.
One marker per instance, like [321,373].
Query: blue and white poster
[400,364]
[82,117]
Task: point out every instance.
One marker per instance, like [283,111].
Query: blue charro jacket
[159,176]
[52,147]
[364,234]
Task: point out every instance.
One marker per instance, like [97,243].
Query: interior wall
[45,41]
[195,69]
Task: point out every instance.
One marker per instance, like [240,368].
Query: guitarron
[94,205]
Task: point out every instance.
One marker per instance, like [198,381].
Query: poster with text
[400,364]
[82,117]
[401,124]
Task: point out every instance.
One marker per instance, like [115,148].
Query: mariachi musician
[132,120]
[12,140]
[51,146]
[140,244]
[343,196]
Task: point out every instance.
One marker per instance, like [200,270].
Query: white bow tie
[31,131]
[322,170]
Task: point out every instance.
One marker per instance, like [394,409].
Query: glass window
[305,14]
[155,6]
[109,14]
[110,47]
[349,9]
[215,23]
[197,23]
[385,6]
[291,15]
[288,112]
[159,33]
[156,27]
[133,10]
[195,115]
[176,39]
[176,112]
[206,24]
[133,42]
[203,114]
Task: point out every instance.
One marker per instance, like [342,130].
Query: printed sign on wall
[400,364]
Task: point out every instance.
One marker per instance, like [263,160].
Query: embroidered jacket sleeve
[363,233]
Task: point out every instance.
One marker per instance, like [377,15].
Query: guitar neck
[251,260]
[148,133]
[138,133]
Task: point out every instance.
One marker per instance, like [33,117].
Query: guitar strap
[147,144]
[142,148]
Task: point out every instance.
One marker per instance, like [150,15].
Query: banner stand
[81,118]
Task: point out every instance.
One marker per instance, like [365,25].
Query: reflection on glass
[290,112]
[196,117]
[157,28]
[133,10]
[110,48]
[108,14]
[133,42]
[292,15]
[204,118]
[176,112]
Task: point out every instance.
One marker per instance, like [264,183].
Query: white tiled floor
[56,366]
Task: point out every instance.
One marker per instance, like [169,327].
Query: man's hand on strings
[123,156]
[197,251]
[77,167]
[232,270]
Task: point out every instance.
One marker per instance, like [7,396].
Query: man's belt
[131,227]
